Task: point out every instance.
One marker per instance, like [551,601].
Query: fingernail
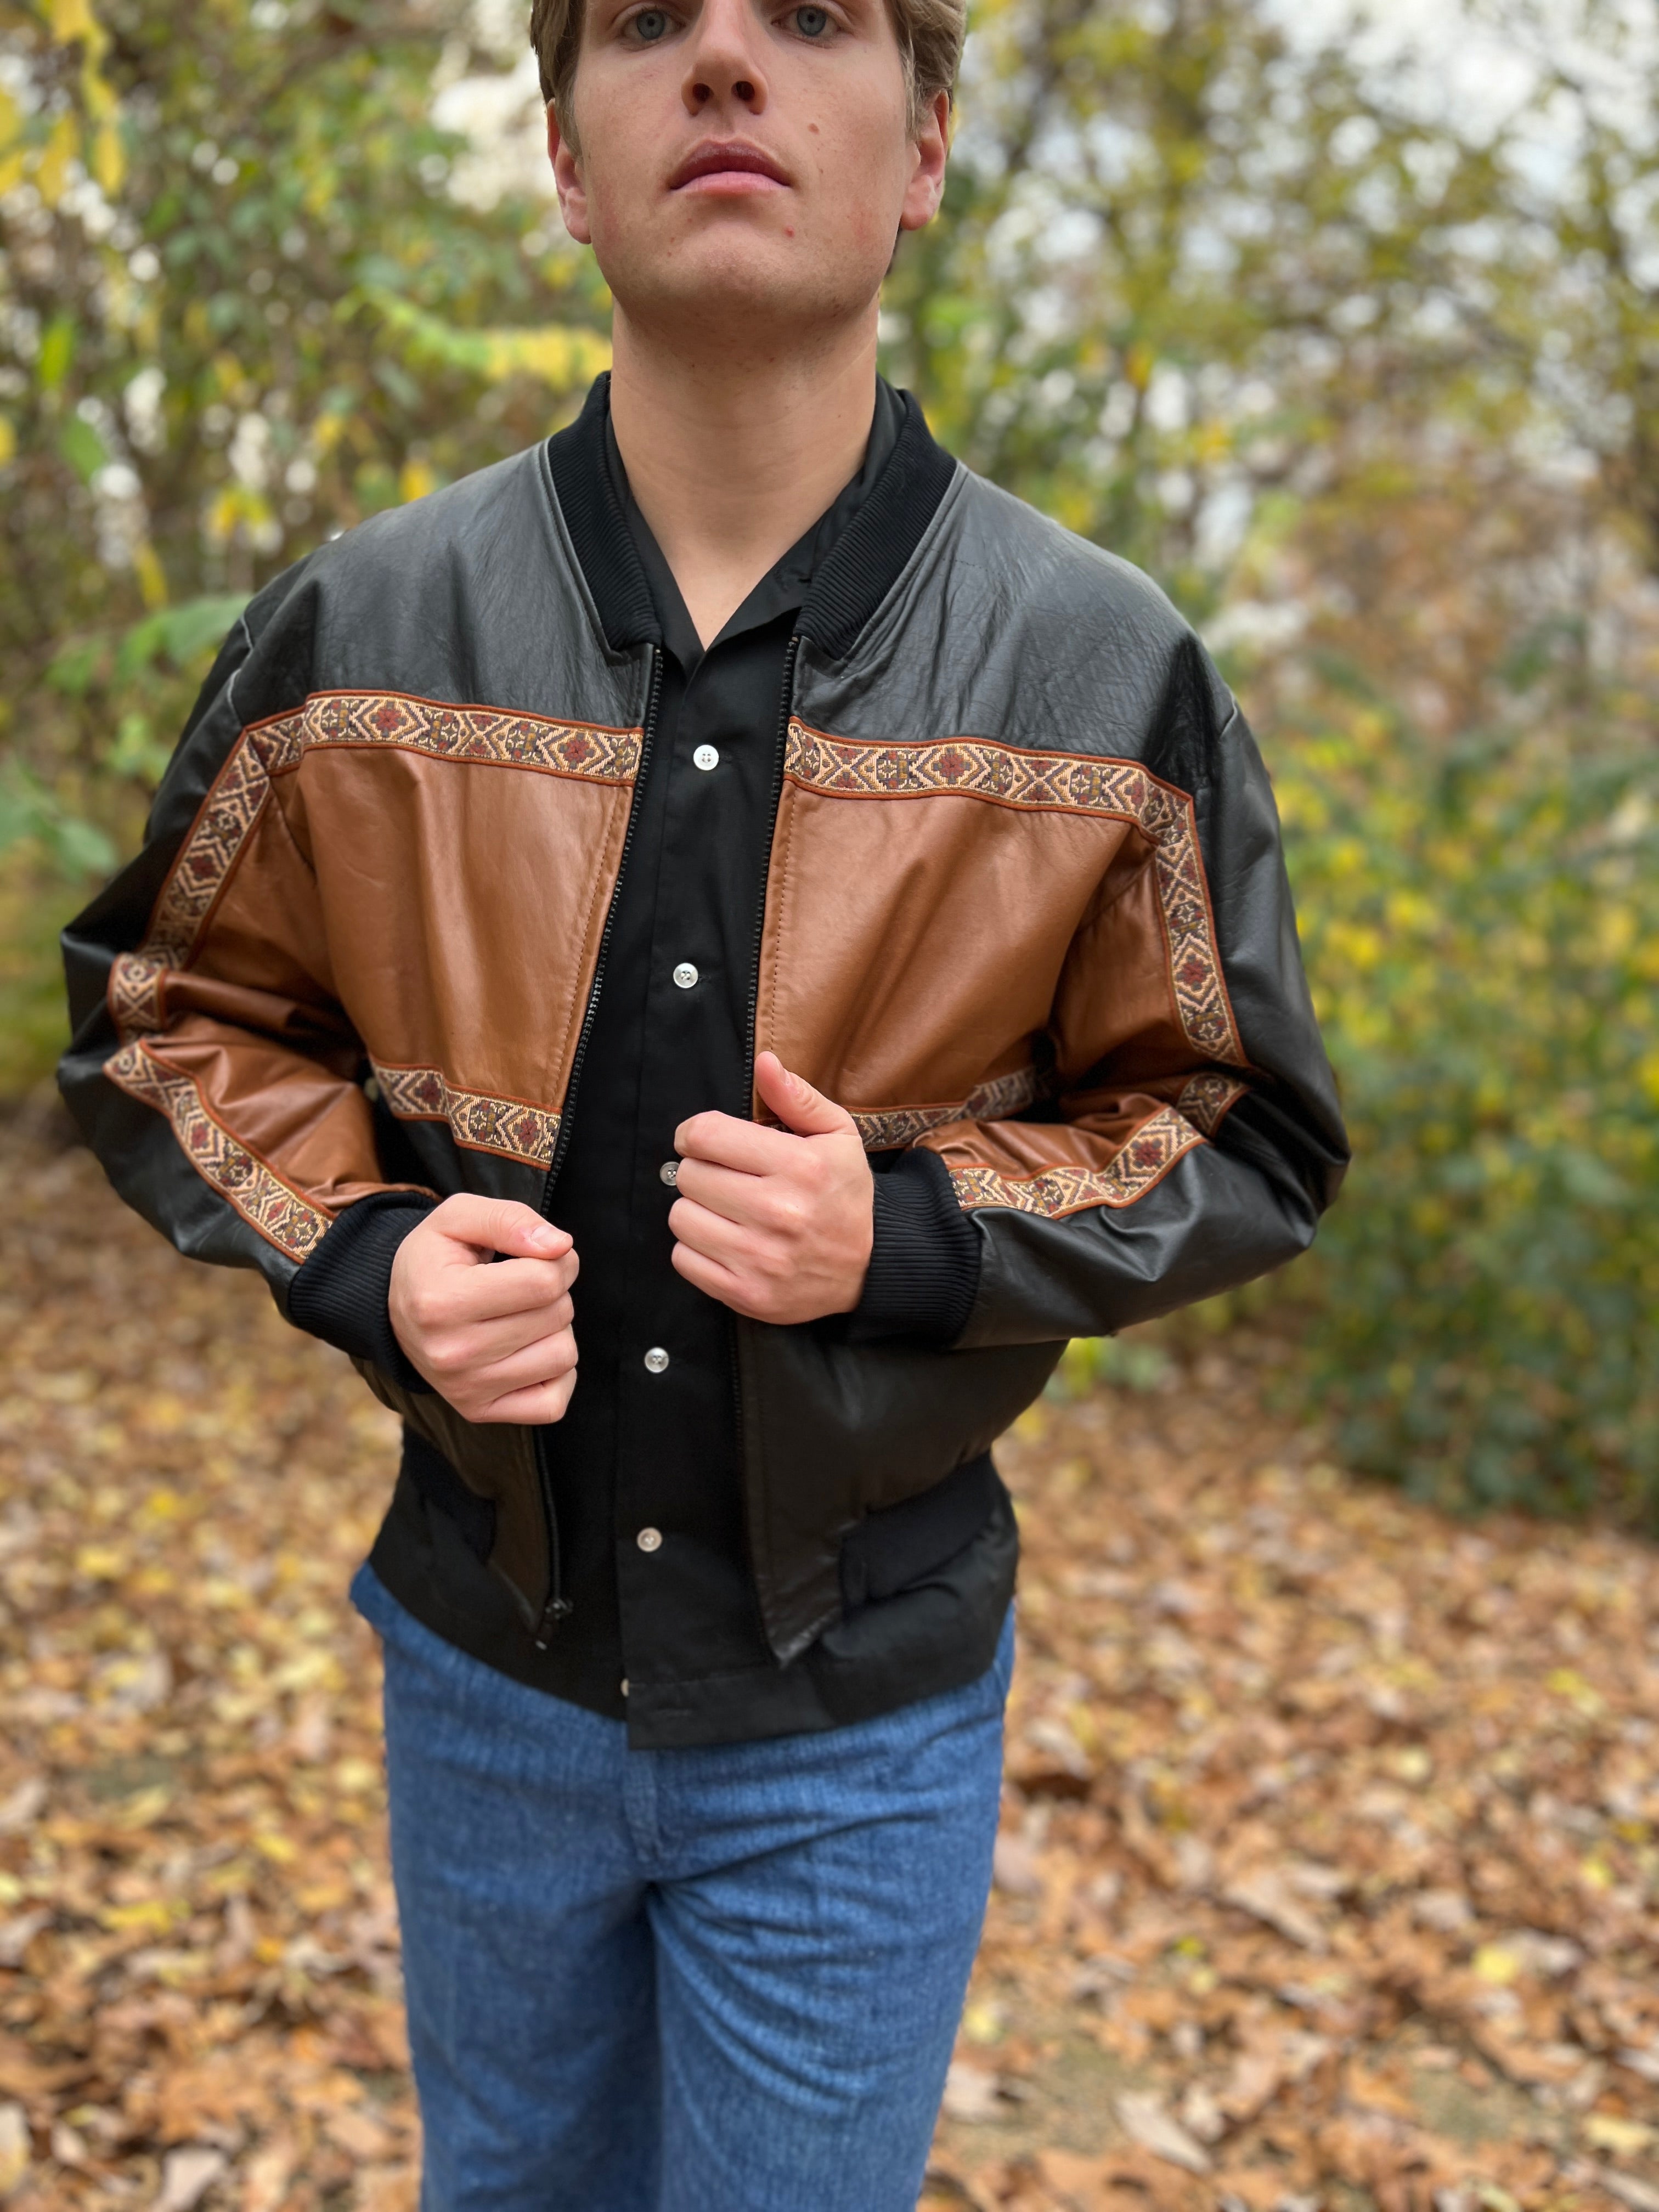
[547,1238]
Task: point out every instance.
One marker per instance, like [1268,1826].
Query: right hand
[494,1339]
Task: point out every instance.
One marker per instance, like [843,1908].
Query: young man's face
[745,166]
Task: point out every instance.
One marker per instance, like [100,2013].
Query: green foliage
[1481,926]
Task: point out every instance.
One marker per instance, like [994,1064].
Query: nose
[726,60]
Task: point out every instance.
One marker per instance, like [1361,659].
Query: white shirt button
[649,1540]
[669,1172]
[685,975]
[707,756]
[656,1359]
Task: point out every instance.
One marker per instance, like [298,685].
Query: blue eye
[811,22]
[651,24]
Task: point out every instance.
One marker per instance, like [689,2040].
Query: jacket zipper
[786,707]
[558,1605]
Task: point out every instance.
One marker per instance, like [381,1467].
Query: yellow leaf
[8,435]
[1624,2138]
[109,161]
[14,2146]
[1494,1963]
[101,1561]
[51,170]
[74,19]
[154,1916]
[415,480]
[152,579]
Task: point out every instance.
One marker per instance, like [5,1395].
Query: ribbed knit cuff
[341,1291]
[924,1266]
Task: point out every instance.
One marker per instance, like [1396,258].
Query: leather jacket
[1026,909]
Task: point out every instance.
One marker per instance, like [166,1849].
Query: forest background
[1349,333]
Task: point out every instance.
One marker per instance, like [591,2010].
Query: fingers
[499,1224]
[480,1388]
[716,1236]
[544,1360]
[546,1402]
[796,1104]
[512,1286]
[718,1282]
[727,1142]
[774,1202]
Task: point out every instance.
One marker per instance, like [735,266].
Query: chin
[752,285]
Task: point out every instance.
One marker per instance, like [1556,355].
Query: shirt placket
[675,1337]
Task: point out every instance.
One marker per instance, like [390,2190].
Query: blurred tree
[1181,250]
[240,309]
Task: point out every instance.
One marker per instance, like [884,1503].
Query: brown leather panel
[912,950]
[308,1123]
[265,933]
[264,1196]
[1054,1169]
[1114,1001]
[380,722]
[1017,778]
[465,907]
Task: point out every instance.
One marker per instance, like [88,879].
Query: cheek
[863,169]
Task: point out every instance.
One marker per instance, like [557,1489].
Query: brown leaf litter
[1331,1842]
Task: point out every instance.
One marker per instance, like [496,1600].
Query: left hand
[777,1224]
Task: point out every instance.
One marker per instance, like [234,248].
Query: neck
[733,460]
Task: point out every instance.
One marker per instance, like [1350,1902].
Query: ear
[932,146]
[567,181]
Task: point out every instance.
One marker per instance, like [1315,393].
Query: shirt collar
[784,588]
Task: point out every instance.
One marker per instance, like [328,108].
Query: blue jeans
[714,1980]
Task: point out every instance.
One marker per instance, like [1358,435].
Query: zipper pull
[552,1613]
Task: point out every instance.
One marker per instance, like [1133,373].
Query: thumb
[796,1104]
[500,1224]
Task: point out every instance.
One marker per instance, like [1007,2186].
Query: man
[731,850]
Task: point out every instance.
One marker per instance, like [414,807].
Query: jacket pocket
[494,1462]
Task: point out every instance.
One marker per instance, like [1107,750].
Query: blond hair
[930,35]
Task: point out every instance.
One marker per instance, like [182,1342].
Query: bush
[1481,927]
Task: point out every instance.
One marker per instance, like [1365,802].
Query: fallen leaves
[1327,1879]
[199,1996]
[1356,1904]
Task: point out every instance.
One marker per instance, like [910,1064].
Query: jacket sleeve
[213,1070]
[1191,1135]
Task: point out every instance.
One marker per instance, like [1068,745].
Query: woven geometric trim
[1145,1160]
[363,719]
[1070,783]
[135,993]
[282,1217]
[477,1121]
[989,1102]
[1207,1098]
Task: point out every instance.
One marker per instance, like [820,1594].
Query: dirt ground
[1330,1854]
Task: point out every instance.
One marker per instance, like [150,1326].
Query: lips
[729,158]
